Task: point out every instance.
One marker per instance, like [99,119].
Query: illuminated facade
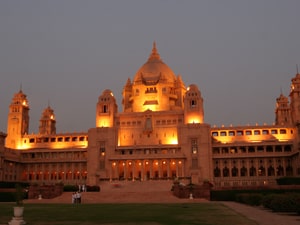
[160,134]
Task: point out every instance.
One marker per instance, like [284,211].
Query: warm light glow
[164,162]
[147,162]
[194,120]
[129,163]
[25,144]
[103,122]
[156,163]
[172,140]
[179,162]
[140,163]
[114,163]
[252,137]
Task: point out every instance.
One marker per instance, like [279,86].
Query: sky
[242,54]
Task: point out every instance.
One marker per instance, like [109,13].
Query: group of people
[76,197]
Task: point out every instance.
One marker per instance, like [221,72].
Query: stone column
[142,170]
[168,162]
[151,168]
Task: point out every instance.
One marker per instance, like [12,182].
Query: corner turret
[18,120]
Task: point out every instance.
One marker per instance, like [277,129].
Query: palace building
[160,134]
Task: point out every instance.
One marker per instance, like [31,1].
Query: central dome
[154,70]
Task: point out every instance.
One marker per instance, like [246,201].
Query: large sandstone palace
[160,134]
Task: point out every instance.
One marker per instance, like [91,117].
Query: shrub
[288,181]
[7,197]
[250,198]
[285,202]
[70,188]
[267,199]
[223,195]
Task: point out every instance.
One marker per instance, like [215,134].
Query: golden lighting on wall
[172,140]
[253,137]
[25,144]
[103,122]
[194,119]
[150,107]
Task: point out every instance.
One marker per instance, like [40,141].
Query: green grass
[142,214]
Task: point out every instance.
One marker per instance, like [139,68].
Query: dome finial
[154,54]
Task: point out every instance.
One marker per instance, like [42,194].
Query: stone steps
[124,192]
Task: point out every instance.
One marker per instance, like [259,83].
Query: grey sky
[240,53]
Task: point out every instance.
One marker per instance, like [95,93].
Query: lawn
[129,214]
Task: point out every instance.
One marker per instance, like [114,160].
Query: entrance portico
[145,169]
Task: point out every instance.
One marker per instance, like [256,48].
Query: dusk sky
[241,54]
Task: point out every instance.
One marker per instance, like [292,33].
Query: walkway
[263,216]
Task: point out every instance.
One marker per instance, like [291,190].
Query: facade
[160,134]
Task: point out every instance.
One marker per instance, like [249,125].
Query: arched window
[271,171]
[105,109]
[193,103]
[225,172]
[261,171]
[217,172]
[234,172]
[279,171]
[289,171]
[243,171]
[252,171]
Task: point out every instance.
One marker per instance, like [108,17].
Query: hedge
[288,181]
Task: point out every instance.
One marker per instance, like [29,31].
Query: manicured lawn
[143,214]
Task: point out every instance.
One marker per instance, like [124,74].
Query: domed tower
[283,111]
[193,105]
[47,122]
[18,120]
[295,99]
[155,87]
[106,109]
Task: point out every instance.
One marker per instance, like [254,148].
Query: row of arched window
[253,171]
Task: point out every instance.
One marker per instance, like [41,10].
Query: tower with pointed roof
[106,109]
[283,111]
[18,120]
[193,105]
[47,122]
